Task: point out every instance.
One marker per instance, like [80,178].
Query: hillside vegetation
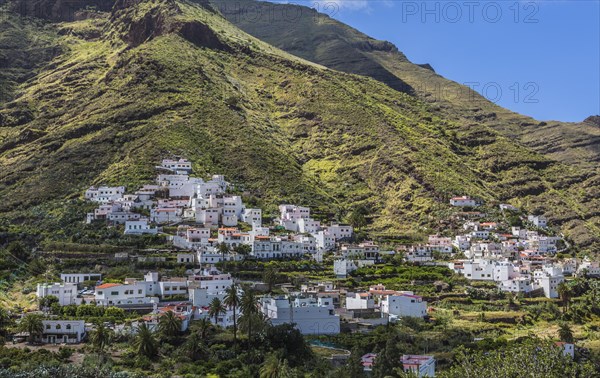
[112,92]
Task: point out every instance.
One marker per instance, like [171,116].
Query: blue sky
[539,58]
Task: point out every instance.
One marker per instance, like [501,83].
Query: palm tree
[33,325]
[273,367]
[232,300]
[565,333]
[101,337]
[204,325]
[565,291]
[194,346]
[249,309]
[169,325]
[223,249]
[145,343]
[216,308]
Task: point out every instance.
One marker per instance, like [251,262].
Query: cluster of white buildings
[200,287]
[212,217]
[391,304]
[511,276]
[484,240]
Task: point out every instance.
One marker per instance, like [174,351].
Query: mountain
[304,32]
[98,94]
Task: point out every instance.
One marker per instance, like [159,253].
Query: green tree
[566,293]
[101,337]
[357,217]
[32,324]
[270,276]
[232,300]
[194,347]
[216,308]
[204,326]
[243,249]
[354,367]
[47,302]
[5,322]
[169,325]
[249,307]
[17,250]
[274,367]
[565,333]
[114,312]
[145,343]
[387,359]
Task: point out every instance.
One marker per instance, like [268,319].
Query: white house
[422,366]
[186,258]
[418,253]
[120,217]
[65,292]
[548,278]
[325,241]
[78,278]
[360,301]
[139,227]
[505,206]
[178,166]
[252,216]
[63,331]
[462,242]
[343,267]
[339,231]
[308,226]
[404,304]
[522,284]
[309,315]
[104,194]
[538,220]
[166,215]
[568,348]
[591,268]
[364,251]
[463,201]
[113,294]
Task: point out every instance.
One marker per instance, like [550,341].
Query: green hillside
[124,88]
[306,33]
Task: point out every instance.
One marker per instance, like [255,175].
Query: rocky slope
[117,90]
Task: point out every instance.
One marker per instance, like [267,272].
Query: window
[47,326]
[68,326]
[114,293]
[58,326]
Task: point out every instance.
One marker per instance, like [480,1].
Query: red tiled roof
[107,285]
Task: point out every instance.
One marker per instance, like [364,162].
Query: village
[208,227]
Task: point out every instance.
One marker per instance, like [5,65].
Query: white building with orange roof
[114,294]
